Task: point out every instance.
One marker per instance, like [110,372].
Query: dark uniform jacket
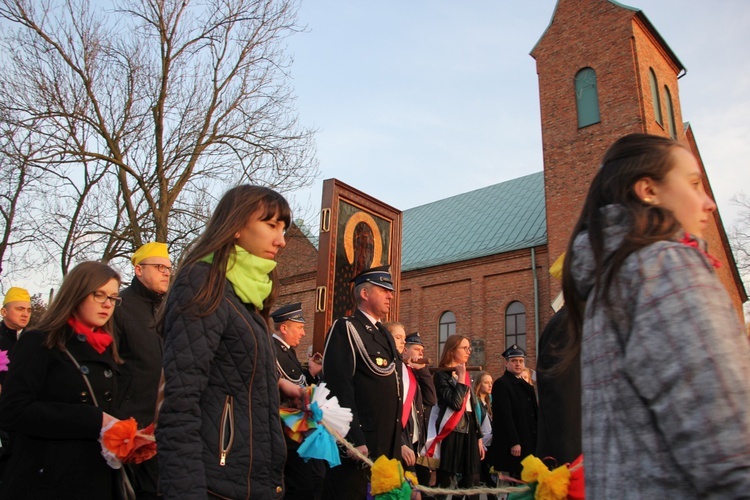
[219,430]
[289,364]
[302,479]
[46,403]
[375,400]
[424,399]
[514,421]
[140,348]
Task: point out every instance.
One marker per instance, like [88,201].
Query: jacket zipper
[227,424]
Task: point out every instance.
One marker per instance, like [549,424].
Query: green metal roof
[499,218]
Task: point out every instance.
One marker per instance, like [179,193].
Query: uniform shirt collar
[282,341]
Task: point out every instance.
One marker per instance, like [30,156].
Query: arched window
[515,325]
[447,327]
[587,98]
[655,96]
[670,113]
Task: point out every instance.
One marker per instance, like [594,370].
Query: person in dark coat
[559,396]
[454,434]
[418,396]
[46,402]
[219,433]
[302,479]
[140,348]
[16,313]
[514,416]
[361,367]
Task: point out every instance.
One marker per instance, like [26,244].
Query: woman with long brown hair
[219,432]
[665,362]
[453,434]
[48,405]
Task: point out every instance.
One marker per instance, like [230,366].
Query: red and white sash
[436,433]
[410,389]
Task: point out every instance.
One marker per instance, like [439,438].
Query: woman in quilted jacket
[665,363]
[219,434]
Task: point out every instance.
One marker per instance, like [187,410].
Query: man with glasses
[140,348]
[514,416]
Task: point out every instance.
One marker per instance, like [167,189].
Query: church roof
[499,218]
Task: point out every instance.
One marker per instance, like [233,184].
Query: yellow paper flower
[554,485]
[387,475]
[550,485]
[411,477]
[533,469]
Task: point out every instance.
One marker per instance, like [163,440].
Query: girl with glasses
[47,405]
[454,436]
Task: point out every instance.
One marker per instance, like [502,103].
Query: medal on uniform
[380,362]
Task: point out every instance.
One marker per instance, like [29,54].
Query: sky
[419,100]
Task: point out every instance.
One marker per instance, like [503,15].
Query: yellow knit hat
[153,249]
[16,294]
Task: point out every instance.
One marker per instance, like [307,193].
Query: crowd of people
[645,371]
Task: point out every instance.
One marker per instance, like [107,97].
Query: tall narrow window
[587,98]
[515,325]
[655,96]
[670,113]
[447,327]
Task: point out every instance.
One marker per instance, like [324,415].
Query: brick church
[478,263]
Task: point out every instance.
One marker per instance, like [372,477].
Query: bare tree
[739,239]
[17,173]
[147,108]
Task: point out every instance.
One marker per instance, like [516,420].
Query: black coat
[219,370]
[559,396]
[514,421]
[140,348]
[8,339]
[47,404]
[375,400]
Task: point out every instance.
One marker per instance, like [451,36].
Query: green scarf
[248,275]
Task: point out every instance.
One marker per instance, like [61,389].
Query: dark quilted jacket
[219,430]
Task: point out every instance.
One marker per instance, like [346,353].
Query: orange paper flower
[120,438]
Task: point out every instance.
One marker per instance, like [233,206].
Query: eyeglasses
[102,297]
[466,348]
[162,268]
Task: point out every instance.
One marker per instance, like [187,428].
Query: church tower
[604,72]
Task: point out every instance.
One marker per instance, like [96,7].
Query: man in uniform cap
[514,416]
[16,313]
[140,347]
[302,480]
[415,413]
[361,367]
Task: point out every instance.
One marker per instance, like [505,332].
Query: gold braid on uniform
[383,372]
[301,381]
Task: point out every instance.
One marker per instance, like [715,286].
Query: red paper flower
[144,446]
[120,438]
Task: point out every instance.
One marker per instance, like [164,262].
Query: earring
[648,200]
